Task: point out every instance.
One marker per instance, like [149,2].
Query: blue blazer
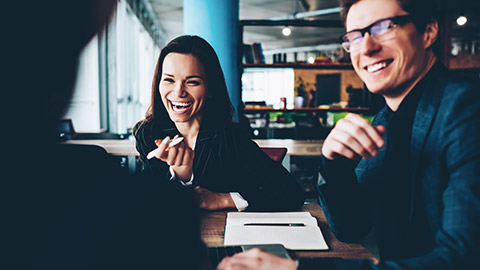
[442,223]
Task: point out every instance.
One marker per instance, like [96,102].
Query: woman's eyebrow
[188,77]
[194,76]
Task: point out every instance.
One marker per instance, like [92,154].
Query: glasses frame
[397,20]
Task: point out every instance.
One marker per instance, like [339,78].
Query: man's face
[389,67]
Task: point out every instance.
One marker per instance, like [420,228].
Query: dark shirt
[75,208]
[394,187]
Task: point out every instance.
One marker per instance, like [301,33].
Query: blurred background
[286,73]
[116,69]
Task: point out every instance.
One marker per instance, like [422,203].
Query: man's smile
[378,65]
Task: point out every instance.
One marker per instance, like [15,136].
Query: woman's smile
[180,107]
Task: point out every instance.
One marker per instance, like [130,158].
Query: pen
[275,224]
[175,142]
[172,143]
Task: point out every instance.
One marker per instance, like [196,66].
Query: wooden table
[114,147]
[213,225]
[295,147]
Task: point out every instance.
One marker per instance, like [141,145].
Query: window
[269,85]
[115,74]
[85,105]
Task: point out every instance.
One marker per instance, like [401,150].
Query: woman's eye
[193,83]
[168,80]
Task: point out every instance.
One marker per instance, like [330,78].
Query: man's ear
[431,34]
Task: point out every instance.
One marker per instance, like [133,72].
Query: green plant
[303,88]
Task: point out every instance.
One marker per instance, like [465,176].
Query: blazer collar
[422,124]
[426,112]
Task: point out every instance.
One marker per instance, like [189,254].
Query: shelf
[465,61]
[305,23]
[299,66]
[331,109]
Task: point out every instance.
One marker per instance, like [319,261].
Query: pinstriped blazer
[226,160]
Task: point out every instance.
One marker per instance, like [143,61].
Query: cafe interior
[287,75]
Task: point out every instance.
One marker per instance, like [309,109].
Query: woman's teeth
[180,105]
[376,67]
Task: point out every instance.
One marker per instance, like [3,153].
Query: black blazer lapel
[203,153]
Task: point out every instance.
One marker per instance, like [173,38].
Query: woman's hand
[214,201]
[179,157]
[256,259]
[353,137]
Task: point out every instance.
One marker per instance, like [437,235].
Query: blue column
[217,22]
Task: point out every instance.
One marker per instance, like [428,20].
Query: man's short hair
[422,11]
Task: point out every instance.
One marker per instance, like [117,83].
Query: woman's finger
[172,155]
[158,152]
[180,153]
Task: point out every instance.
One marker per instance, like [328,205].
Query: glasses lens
[382,30]
[346,46]
[351,40]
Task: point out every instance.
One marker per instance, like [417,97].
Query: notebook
[217,253]
[294,230]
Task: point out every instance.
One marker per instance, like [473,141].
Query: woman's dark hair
[218,107]
[422,12]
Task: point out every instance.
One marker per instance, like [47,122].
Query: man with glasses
[412,178]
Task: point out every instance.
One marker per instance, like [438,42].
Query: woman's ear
[431,34]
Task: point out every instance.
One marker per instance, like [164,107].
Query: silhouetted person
[71,207]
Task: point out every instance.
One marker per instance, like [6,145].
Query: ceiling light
[286,31]
[461,20]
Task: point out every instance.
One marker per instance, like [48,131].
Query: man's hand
[214,201]
[353,137]
[256,259]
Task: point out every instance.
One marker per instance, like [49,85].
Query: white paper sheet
[308,237]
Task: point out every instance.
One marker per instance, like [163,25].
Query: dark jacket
[441,225]
[73,208]
[226,160]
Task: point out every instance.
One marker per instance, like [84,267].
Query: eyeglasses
[380,30]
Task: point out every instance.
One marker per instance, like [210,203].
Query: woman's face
[183,87]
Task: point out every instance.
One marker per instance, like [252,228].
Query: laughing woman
[188,136]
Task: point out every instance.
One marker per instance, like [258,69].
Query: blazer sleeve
[144,143]
[263,182]
[346,200]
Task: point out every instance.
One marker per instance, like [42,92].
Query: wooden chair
[275,153]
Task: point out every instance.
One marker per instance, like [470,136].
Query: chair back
[275,153]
